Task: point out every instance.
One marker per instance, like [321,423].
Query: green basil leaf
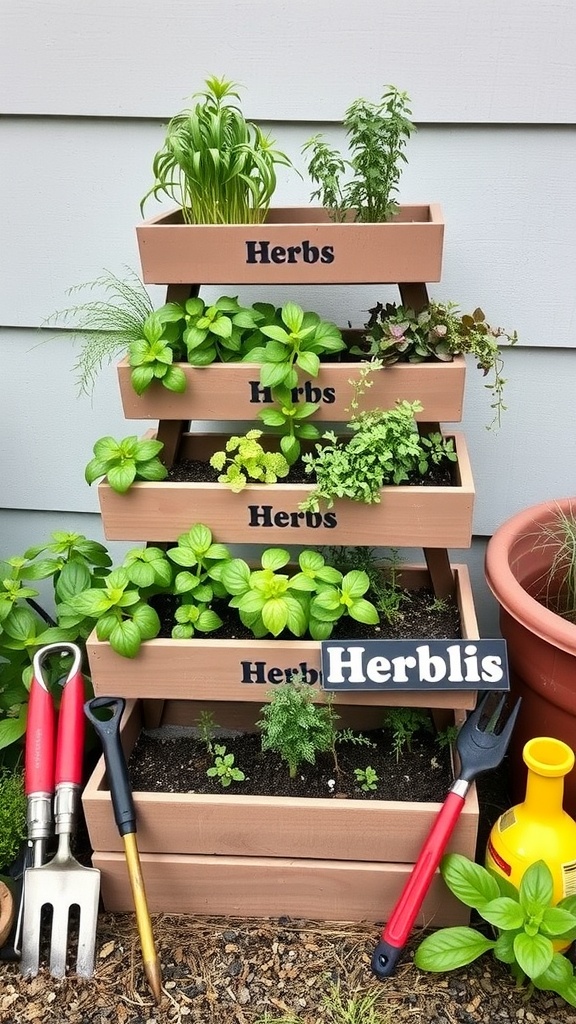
[275,615]
[272,417]
[364,611]
[536,888]
[533,953]
[275,558]
[503,913]
[450,948]
[309,363]
[471,883]
[122,477]
[236,576]
[557,921]
[141,378]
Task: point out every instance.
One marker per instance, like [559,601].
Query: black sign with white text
[414,665]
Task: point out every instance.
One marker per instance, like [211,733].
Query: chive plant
[217,166]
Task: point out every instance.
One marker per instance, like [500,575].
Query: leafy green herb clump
[245,459]
[385,448]
[123,462]
[377,134]
[525,920]
[217,166]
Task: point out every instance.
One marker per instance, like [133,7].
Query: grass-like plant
[217,166]
[377,134]
[337,1008]
[558,538]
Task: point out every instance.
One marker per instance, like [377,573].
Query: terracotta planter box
[294,246]
[244,670]
[432,517]
[231,391]
[270,856]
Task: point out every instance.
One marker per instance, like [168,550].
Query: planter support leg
[438,564]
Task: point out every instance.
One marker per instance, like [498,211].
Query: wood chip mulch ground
[227,971]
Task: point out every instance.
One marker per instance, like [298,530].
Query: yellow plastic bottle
[539,828]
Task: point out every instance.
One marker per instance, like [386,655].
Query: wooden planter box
[433,517]
[337,860]
[231,391]
[244,670]
[294,246]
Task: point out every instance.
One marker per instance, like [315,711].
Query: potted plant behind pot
[530,569]
[367,238]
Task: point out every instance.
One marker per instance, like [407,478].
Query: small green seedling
[367,778]
[223,768]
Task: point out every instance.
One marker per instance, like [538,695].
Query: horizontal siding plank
[505,243]
[479,61]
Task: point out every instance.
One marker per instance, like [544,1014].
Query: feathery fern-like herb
[105,327]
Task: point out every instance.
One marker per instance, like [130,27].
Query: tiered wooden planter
[326,859]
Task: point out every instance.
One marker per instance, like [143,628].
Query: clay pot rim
[508,590]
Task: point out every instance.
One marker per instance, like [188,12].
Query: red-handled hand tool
[480,750]
[54,766]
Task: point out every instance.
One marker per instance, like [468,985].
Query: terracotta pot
[243,670]
[338,860]
[231,391]
[541,645]
[433,517]
[293,246]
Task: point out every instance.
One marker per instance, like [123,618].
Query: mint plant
[288,417]
[377,135]
[224,769]
[250,461]
[296,344]
[71,563]
[199,582]
[123,462]
[152,355]
[294,726]
[215,332]
[124,619]
[367,778]
[310,601]
[525,920]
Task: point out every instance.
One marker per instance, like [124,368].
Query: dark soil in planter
[179,766]
[421,615]
[188,471]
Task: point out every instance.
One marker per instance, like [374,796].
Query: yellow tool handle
[149,955]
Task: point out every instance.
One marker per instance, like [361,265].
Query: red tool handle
[39,748]
[398,928]
[71,726]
